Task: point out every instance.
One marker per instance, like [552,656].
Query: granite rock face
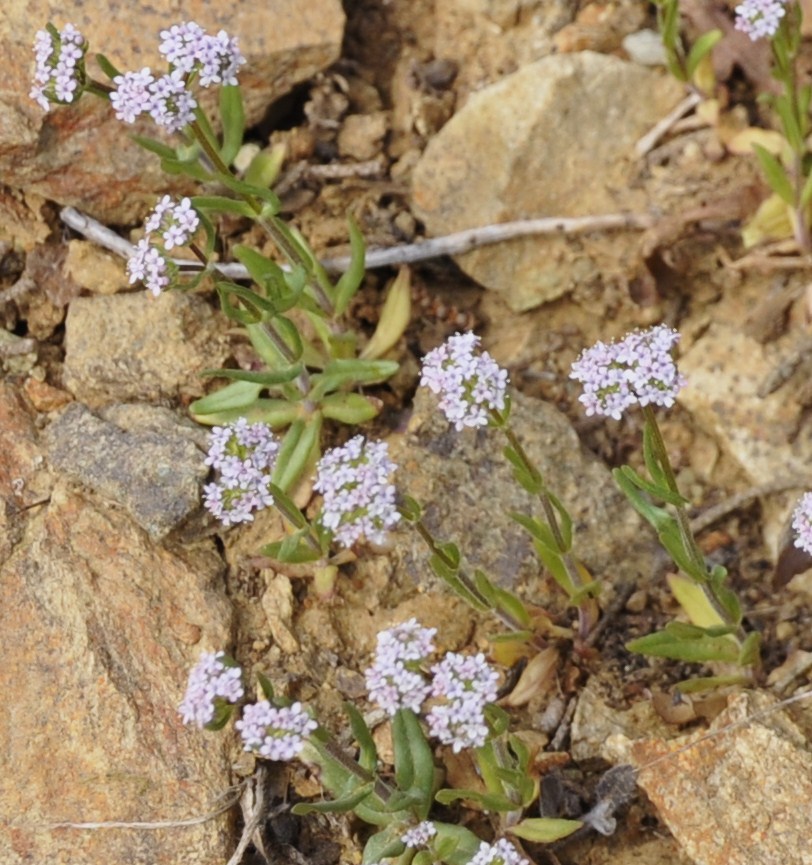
[100,628]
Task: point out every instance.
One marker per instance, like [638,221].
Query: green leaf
[453,844]
[297,450]
[238,395]
[266,686]
[678,644]
[107,67]
[153,146]
[486,801]
[350,373]
[257,310]
[708,683]
[775,174]
[383,845]
[266,347]
[267,378]
[790,124]
[293,550]
[249,190]
[545,830]
[749,654]
[335,806]
[368,756]
[703,45]
[221,204]
[232,114]
[352,278]
[526,476]
[350,408]
[190,169]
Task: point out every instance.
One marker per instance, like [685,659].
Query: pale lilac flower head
[60,71]
[150,264]
[244,454]
[639,370]
[176,223]
[802,523]
[132,96]
[501,852]
[463,685]
[395,680]
[420,835]
[189,48]
[359,500]
[276,734]
[215,678]
[760,18]
[469,382]
[172,105]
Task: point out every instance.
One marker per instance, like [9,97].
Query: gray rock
[127,347]
[154,476]
[82,155]
[554,139]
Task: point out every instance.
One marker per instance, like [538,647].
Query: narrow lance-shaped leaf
[351,280]
[232,114]
[775,174]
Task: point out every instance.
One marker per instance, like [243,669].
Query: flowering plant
[784,156]
[303,375]
[640,370]
[451,700]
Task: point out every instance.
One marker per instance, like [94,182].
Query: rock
[462,478]
[100,629]
[767,434]
[531,145]
[82,155]
[127,347]
[735,795]
[94,269]
[154,476]
[361,135]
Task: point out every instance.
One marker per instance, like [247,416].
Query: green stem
[504,617]
[688,540]
[272,226]
[586,608]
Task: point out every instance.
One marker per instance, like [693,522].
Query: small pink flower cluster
[169,225]
[760,18]
[359,500]
[60,71]
[460,688]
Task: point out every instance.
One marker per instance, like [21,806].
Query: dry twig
[451,244]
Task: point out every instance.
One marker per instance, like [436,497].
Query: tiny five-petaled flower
[637,370]
[469,382]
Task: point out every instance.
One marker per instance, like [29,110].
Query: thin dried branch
[451,244]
